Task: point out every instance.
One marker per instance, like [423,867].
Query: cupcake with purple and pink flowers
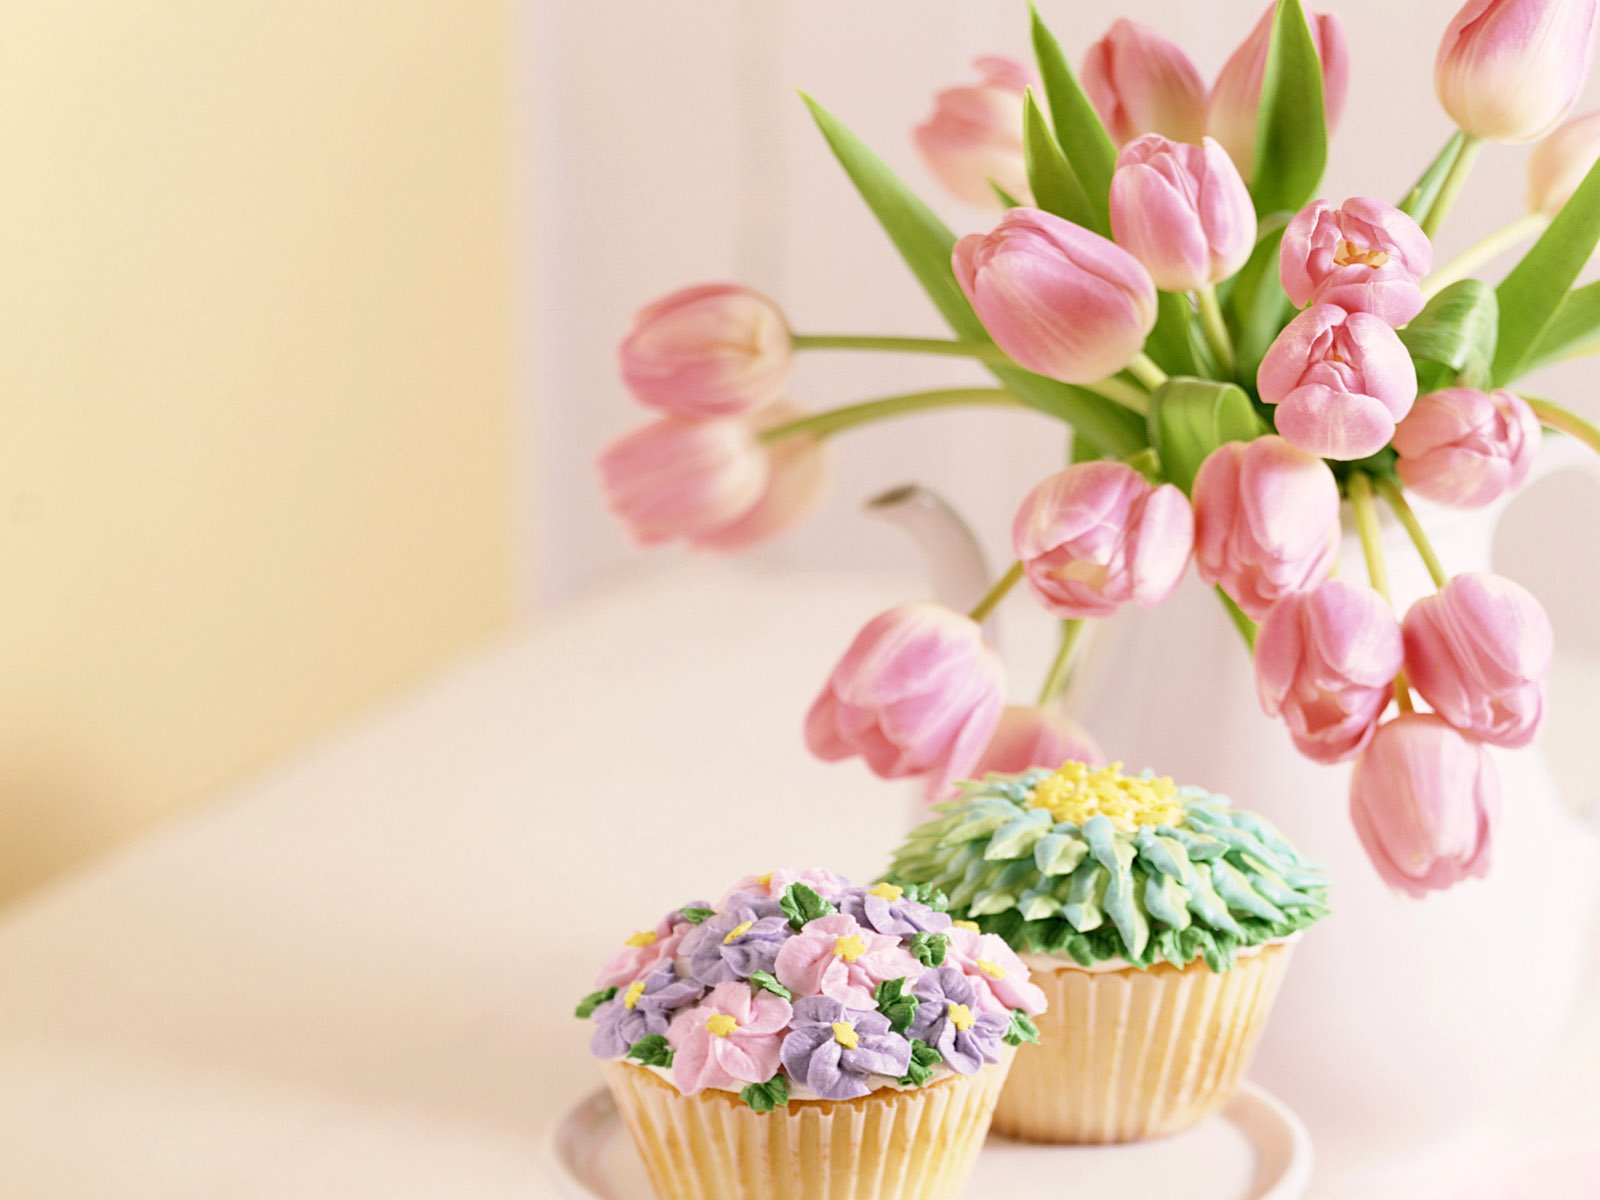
[807,1037]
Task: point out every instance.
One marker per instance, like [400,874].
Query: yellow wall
[254,414]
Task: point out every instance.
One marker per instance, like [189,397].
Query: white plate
[1256,1149]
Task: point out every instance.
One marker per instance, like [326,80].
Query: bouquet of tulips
[1236,358]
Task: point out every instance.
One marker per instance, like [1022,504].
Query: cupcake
[805,1037]
[1157,920]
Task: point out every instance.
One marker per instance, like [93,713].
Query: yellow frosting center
[887,891]
[849,947]
[765,880]
[845,1034]
[738,931]
[721,1024]
[960,1016]
[1350,254]
[1078,792]
[631,996]
[645,937]
[972,925]
[992,970]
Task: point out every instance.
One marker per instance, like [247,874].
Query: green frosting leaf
[652,1051]
[894,1002]
[1021,1030]
[800,904]
[695,915]
[765,980]
[925,893]
[923,1060]
[592,1001]
[929,948]
[764,1097]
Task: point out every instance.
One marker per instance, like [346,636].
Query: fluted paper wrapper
[1127,1055]
[891,1145]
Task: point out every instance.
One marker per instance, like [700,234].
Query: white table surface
[353,977]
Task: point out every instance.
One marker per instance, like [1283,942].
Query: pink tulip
[1559,163]
[1034,737]
[1510,70]
[1236,96]
[1182,211]
[708,351]
[1478,652]
[1325,662]
[1140,82]
[919,692]
[1098,535]
[1466,448]
[683,479]
[1266,519]
[974,136]
[1425,801]
[1365,256]
[798,471]
[1340,380]
[1059,299]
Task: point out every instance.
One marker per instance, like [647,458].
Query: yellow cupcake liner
[891,1145]
[1126,1055]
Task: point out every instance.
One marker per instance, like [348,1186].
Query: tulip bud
[1558,163]
[1182,211]
[708,351]
[798,470]
[1236,96]
[1478,651]
[1340,380]
[1509,70]
[1140,82]
[1266,519]
[1098,535]
[1365,256]
[1061,300]
[1034,737]
[974,137]
[1466,448]
[919,692]
[683,479]
[1326,661]
[1425,801]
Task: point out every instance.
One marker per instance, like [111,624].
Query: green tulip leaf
[1419,200]
[1575,327]
[1189,418]
[1079,131]
[1454,336]
[1291,124]
[1256,305]
[1055,185]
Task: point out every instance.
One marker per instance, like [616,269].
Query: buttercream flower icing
[1100,866]
[801,985]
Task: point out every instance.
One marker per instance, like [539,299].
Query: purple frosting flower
[898,917]
[640,1009]
[833,1049]
[951,1017]
[741,939]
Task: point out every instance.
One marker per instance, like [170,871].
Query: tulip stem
[1402,509]
[820,425]
[1247,628]
[997,593]
[1564,420]
[1366,512]
[1216,329]
[1061,669]
[1459,170]
[1146,372]
[1480,252]
[1119,391]
[983,351]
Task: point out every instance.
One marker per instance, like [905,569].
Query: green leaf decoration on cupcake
[800,904]
[764,1097]
[652,1051]
[894,1002]
[694,915]
[1096,865]
[767,981]
[929,948]
[1022,1029]
[592,1001]
[920,1069]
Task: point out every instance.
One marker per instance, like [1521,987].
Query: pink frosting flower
[1098,535]
[975,134]
[643,952]
[772,884]
[1558,163]
[1325,662]
[1266,521]
[917,693]
[1509,70]
[1141,82]
[1035,737]
[1478,651]
[1002,976]
[1424,800]
[1181,210]
[683,479]
[1058,298]
[836,957]
[1340,380]
[1236,96]
[731,1038]
[1364,256]
[1466,448]
[708,351]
